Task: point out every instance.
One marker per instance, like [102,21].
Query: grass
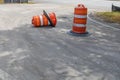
[113,17]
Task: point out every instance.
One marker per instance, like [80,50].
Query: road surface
[28,53]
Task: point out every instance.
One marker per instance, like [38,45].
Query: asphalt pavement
[50,53]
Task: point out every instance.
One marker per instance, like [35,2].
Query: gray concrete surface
[28,53]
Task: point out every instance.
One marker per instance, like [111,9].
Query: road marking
[101,23]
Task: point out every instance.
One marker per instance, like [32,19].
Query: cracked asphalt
[49,53]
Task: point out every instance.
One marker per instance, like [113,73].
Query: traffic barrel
[80,20]
[44,19]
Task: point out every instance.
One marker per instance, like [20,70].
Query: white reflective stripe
[80,16]
[41,20]
[79,25]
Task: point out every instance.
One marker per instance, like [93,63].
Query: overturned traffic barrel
[44,20]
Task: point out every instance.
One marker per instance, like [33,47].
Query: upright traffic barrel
[80,19]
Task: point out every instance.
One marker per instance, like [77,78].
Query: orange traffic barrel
[44,20]
[80,20]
